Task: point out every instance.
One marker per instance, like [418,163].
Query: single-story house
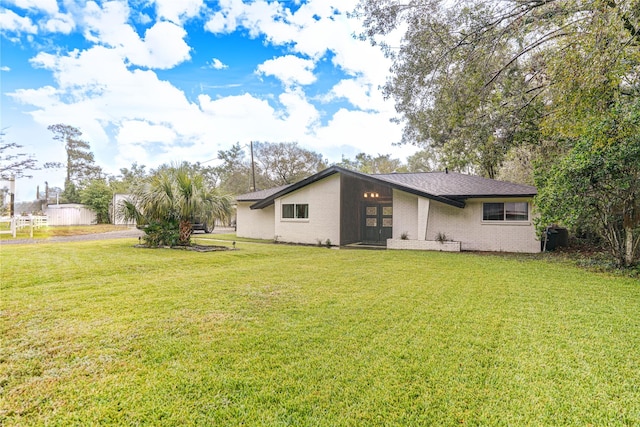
[433,210]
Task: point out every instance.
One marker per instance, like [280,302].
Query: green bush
[165,233]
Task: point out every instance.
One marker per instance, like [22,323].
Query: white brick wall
[466,226]
[421,218]
[414,214]
[255,224]
[405,215]
[423,245]
[323,223]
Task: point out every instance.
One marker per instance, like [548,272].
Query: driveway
[120,234]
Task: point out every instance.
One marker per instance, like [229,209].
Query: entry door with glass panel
[377,223]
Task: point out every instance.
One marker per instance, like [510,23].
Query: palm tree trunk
[185,233]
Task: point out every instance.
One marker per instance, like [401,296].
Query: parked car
[198,224]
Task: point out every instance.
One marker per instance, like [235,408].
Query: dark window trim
[298,211]
[504,213]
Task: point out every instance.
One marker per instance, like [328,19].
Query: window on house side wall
[288,211]
[517,211]
[302,211]
[295,211]
[509,211]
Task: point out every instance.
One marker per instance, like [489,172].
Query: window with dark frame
[288,211]
[295,211]
[508,211]
[516,211]
[302,211]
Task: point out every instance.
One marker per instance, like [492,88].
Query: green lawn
[59,231]
[100,333]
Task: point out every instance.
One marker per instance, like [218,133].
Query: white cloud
[260,14]
[289,69]
[166,45]
[173,10]
[49,6]
[143,132]
[141,118]
[11,21]
[218,65]
[96,88]
[367,132]
[226,19]
[301,115]
[360,93]
[317,27]
[107,25]
[5,68]
[163,45]
[143,18]
[60,23]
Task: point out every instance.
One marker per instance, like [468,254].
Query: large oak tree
[477,81]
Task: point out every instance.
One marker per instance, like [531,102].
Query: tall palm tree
[175,195]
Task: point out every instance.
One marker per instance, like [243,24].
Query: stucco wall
[255,224]
[466,226]
[323,223]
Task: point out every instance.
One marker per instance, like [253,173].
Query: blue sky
[156,81]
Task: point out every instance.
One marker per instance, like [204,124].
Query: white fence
[70,214]
[18,222]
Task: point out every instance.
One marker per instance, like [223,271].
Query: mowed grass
[102,333]
[59,231]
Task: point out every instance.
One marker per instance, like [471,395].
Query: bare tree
[13,162]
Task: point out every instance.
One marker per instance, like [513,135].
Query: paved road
[120,234]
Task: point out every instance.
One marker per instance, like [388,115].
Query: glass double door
[377,223]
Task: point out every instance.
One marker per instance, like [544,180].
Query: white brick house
[432,211]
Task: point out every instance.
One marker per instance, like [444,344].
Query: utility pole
[253,168]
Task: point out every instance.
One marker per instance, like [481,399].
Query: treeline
[238,170]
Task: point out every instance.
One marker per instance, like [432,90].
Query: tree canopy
[521,87]
[382,163]
[597,184]
[475,78]
[286,162]
[97,194]
[274,164]
[80,165]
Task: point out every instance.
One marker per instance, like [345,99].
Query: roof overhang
[495,196]
[346,172]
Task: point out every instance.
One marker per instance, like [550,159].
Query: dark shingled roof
[450,188]
[260,194]
[456,185]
